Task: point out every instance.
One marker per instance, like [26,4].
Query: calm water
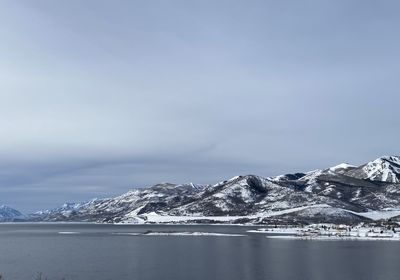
[97,252]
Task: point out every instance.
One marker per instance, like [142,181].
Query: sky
[98,97]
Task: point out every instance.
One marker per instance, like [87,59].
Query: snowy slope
[161,197]
[385,169]
[9,214]
[342,168]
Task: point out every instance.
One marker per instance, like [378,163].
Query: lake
[116,252]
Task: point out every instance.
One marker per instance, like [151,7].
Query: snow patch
[341,167]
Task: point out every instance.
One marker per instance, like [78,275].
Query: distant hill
[9,214]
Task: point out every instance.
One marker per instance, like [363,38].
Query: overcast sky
[97,97]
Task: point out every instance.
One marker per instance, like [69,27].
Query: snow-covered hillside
[9,214]
[386,169]
[349,192]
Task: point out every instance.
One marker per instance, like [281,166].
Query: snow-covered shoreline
[332,232]
[331,238]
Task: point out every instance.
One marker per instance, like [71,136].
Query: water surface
[89,251]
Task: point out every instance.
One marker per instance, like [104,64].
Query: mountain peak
[393,159]
[384,169]
[8,213]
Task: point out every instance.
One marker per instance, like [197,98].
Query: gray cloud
[97,97]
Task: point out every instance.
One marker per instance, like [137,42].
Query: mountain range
[340,194]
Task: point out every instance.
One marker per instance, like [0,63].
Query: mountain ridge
[347,193]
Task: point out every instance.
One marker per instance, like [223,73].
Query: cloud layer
[97,97]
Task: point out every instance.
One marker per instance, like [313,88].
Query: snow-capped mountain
[343,193]
[386,169]
[9,214]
